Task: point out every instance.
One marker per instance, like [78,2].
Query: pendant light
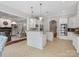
[40,9]
[40,17]
[32,11]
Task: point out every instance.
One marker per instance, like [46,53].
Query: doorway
[53,27]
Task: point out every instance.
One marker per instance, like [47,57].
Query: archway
[53,27]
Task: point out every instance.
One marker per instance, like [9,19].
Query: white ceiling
[22,8]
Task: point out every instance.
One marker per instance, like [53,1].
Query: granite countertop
[76,34]
[76,31]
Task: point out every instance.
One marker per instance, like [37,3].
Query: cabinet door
[77,45]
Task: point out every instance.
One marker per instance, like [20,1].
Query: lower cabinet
[50,36]
[76,43]
[75,40]
[36,39]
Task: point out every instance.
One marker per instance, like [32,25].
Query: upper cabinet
[35,24]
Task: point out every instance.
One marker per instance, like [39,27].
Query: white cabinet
[77,44]
[36,39]
[62,28]
[71,36]
[75,40]
[50,36]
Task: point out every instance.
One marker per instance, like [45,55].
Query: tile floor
[57,48]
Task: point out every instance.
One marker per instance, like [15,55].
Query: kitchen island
[36,39]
